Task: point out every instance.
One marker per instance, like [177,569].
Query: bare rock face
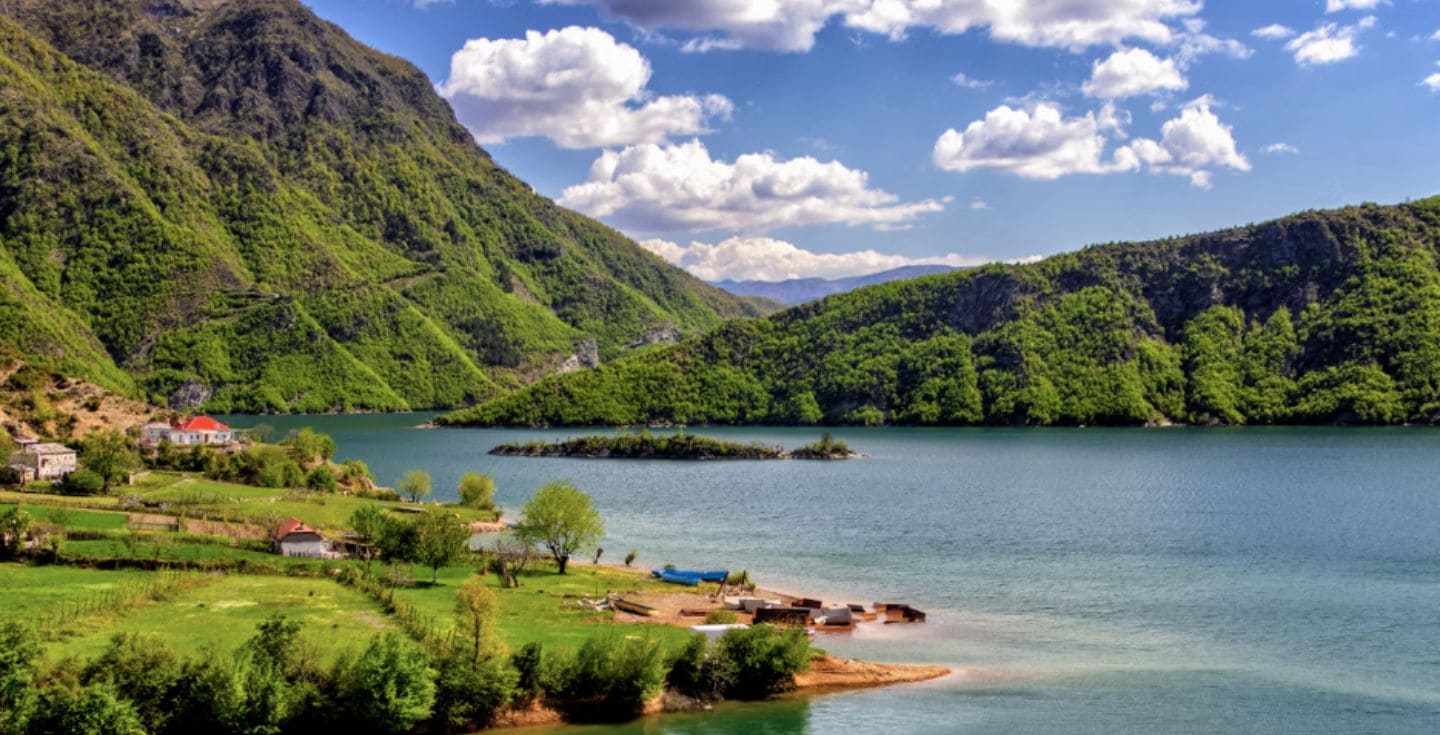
[190,395]
[587,355]
[662,335]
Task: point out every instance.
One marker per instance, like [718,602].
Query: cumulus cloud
[576,86]
[791,25]
[1274,148]
[768,259]
[1432,81]
[1328,43]
[1035,143]
[964,81]
[1191,145]
[1041,143]
[1335,6]
[675,188]
[1131,72]
[1273,32]
[979,204]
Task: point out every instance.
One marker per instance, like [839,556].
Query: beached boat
[680,579]
[703,575]
[630,606]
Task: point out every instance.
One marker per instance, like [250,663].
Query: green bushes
[745,663]
[612,675]
[82,482]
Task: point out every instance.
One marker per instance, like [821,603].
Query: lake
[1176,580]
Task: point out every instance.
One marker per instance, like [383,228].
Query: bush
[721,617]
[90,711]
[83,482]
[757,662]
[321,479]
[144,670]
[468,694]
[687,669]
[388,688]
[529,664]
[612,675]
[477,491]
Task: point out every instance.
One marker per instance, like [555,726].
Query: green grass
[33,592]
[539,612]
[223,615]
[173,547]
[76,519]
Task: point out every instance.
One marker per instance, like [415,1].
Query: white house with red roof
[293,538]
[195,430]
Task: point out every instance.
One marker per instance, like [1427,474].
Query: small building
[201,430]
[43,460]
[293,538]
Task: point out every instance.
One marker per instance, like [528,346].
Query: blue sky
[781,138]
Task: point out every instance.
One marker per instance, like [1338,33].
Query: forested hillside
[1316,318]
[234,205]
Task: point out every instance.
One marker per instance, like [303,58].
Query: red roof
[289,526]
[203,423]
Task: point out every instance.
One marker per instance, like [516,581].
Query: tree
[477,491]
[440,538]
[82,482]
[14,522]
[369,524]
[388,688]
[561,519]
[111,455]
[91,711]
[18,653]
[511,556]
[143,669]
[321,479]
[415,484]
[308,446]
[260,433]
[477,610]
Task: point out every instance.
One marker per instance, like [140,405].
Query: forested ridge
[1320,317]
[235,206]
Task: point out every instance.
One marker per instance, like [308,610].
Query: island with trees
[645,445]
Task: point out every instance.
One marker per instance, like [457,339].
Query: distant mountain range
[799,290]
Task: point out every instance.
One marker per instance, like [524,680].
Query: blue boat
[700,575]
[680,579]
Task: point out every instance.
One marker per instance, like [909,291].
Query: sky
[774,139]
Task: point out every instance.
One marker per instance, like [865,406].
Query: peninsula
[678,446]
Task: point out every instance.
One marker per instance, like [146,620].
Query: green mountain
[1316,318]
[232,204]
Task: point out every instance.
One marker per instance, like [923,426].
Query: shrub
[18,653]
[82,482]
[477,491]
[630,557]
[144,670]
[721,617]
[469,693]
[388,688]
[758,662]
[612,675]
[687,669]
[529,665]
[90,711]
[321,479]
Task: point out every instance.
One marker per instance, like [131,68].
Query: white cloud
[1130,72]
[768,259]
[1041,143]
[1273,32]
[575,86]
[1191,145]
[791,25]
[674,188]
[961,79]
[1038,143]
[1328,43]
[1432,81]
[1274,148]
[979,205]
[1435,36]
[1335,6]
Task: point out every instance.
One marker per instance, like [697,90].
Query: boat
[630,606]
[680,579]
[703,575]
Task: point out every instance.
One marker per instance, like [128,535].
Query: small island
[645,445]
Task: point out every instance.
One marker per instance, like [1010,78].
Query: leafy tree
[18,653]
[612,674]
[389,688]
[111,455]
[14,522]
[477,491]
[468,693]
[144,670]
[308,447]
[415,484]
[83,482]
[562,520]
[441,539]
[369,523]
[260,433]
[757,662]
[477,612]
[321,479]
[95,710]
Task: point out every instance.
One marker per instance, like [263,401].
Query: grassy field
[222,615]
[33,592]
[89,520]
[539,611]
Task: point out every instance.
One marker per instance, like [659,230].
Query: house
[43,460]
[196,430]
[293,538]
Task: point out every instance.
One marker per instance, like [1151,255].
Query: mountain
[232,204]
[799,290]
[1321,317]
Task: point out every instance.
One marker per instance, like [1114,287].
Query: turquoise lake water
[1080,580]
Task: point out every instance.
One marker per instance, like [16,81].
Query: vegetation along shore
[644,445]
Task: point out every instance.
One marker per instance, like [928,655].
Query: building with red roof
[194,430]
[293,538]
